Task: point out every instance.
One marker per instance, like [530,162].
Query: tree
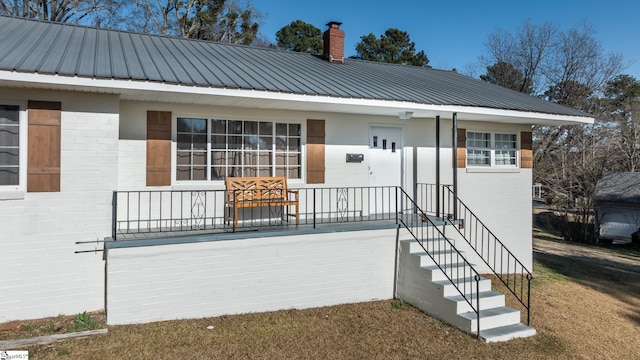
[300,36]
[524,49]
[227,21]
[394,46]
[91,12]
[621,103]
[505,74]
[570,93]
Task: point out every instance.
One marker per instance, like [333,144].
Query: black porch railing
[442,251]
[162,211]
[502,262]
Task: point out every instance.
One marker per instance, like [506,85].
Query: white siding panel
[42,275]
[261,274]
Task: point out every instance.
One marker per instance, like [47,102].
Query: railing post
[114,215]
[397,205]
[235,212]
[437,166]
[314,208]
[478,303]
[528,298]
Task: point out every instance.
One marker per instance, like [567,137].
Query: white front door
[385,167]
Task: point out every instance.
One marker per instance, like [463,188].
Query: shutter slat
[158,148]
[315,151]
[526,149]
[461,154]
[43,146]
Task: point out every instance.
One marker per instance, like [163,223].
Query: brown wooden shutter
[43,146]
[315,151]
[526,150]
[462,149]
[158,148]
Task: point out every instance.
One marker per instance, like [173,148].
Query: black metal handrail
[442,251]
[514,275]
[157,211]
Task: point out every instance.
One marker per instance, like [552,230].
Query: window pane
[199,142]
[235,127]
[183,158]
[294,173]
[505,157]
[250,171]
[9,114]
[183,173]
[251,142]
[294,159]
[250,128]
[281,143]
[251,158]
[235,142]
[266,128]
[219,126]
[218,158]
[265,158]
[199,158]
[281,171]
[9,175]
[217,173]
[264,171]
[234,171]
[505,141]
[478,140]
[234,158]
[281,130]
[218,142]
[294,144]
[478,157]
[266,143]
[294,129]
[9,135]
[199,173]
[281,158]
[184,125]
[9,145]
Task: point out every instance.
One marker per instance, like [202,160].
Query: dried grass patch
[580,310]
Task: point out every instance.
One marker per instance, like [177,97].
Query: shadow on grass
[620,283]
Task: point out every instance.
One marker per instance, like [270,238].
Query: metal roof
[28,46]
[620,188]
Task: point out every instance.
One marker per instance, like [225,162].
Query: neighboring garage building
[617,206]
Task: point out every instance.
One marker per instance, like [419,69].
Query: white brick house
[88,112]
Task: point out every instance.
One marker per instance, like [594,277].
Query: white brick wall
[194,280]
[41,274]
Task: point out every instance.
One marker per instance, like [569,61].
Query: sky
[453,32]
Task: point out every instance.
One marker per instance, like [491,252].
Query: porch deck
[283,228]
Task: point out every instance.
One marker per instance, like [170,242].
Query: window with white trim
[9,145]
[215,149]
[492,149]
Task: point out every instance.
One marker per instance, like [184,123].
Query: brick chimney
[334,43]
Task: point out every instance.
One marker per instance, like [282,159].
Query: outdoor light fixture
[405,115]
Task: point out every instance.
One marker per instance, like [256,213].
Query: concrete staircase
[422,284]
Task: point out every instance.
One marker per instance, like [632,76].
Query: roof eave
[177,93]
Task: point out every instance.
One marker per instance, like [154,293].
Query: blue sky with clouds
[452,32]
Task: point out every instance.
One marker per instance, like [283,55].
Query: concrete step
[458,270]
[491,318]
[466,285]
[488,300]
[506,333]
[431,244]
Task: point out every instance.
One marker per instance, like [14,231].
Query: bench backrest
[256,188]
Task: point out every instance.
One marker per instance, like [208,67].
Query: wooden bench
[253,192]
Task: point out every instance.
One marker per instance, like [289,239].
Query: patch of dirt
[61,324]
